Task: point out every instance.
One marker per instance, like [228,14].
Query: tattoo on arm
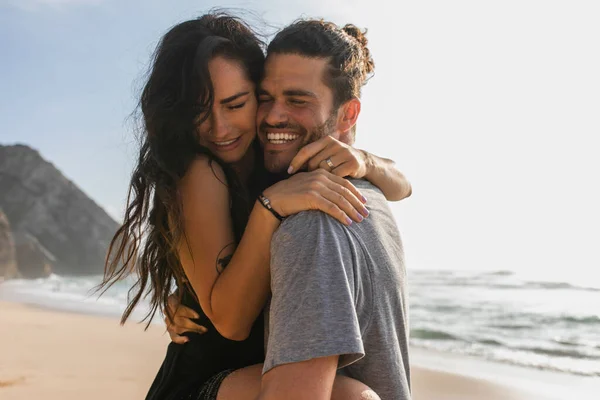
[223,260]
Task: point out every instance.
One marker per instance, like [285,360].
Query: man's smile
[281,137]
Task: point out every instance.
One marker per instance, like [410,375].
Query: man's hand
[332,155]
[182,321]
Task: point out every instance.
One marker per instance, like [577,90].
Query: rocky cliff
[8,257]
[55,225]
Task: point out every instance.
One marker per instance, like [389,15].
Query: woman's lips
[227,145]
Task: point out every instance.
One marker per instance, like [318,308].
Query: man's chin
[276,167]
[278,163]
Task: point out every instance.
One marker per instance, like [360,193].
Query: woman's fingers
[346,184]
[331,155]
[175,338]
[173,303]
[339,203]
[342,194]
[333,152]
[357,206]
[335,159]
[182,325]
[306,153]
[344,169]
[318,190]
[322,203]
[340,160]
[186,312]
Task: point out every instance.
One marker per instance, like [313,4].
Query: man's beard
[325,129]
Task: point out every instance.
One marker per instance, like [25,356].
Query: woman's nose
[220,127]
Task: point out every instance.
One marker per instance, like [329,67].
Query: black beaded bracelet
[267,204]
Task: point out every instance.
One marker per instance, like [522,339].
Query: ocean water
[503,316]
[73,294]
[550,324]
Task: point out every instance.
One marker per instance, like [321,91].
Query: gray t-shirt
[340,290]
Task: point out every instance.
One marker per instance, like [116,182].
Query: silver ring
[329,163]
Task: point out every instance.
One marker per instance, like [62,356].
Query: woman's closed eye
[236,106]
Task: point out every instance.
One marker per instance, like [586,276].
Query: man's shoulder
[306,225]
[364,185]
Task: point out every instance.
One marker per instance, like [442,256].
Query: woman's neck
[244,167]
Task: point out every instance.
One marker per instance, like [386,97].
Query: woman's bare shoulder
[204,181]
[204,171]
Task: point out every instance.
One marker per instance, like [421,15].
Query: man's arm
[313,323]
[310,380]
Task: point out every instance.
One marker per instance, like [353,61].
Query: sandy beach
[57,355]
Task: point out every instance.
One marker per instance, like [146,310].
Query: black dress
[188,366]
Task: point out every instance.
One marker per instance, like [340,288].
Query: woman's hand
[182,321]
[331,155]
[343,160]
[318,190]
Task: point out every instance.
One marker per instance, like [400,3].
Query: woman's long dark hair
[176,98]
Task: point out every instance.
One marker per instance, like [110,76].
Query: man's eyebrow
[232,98]
[299,93]
[262,91]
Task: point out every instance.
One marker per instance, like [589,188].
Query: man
[338,293]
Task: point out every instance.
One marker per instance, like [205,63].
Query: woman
[192,220]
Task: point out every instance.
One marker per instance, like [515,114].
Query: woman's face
[231,126]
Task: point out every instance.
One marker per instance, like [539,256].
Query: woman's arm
[234,296]
[344,160]
[384,174]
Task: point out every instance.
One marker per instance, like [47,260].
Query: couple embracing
[256,228]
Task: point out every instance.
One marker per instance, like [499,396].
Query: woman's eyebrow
[234,97]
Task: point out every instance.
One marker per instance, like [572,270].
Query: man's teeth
[225,143]
[281,138]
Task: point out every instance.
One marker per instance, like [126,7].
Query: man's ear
[347,116]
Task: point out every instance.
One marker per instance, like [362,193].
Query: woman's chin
[235,156]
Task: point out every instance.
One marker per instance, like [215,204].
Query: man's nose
[277,114]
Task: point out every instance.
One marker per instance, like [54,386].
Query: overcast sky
[491,108]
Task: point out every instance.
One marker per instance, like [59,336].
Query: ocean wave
[511,327]
[558,352]
[432,334]
[583,366]
[490,342]
[436,335]
[566,342]
[440,308]
[590,320]
[502,279]
[526,285]
[558,285]
[498,273]
[547,320]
